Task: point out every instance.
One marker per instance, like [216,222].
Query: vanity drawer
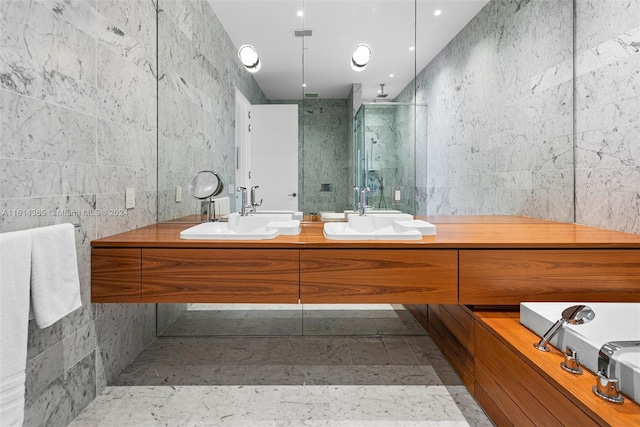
[115,275]
[220,276]
[512,276]
[396,276]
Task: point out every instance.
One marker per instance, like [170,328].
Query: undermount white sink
[342,216]
[332,216]
[250,227]
[396,226]
[295,215]
[374,212]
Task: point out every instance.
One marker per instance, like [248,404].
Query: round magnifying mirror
[205,184]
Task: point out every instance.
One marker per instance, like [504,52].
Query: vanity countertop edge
[464,232]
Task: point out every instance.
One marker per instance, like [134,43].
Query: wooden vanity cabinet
[487,261]
[115,275]
[220,276]
[508,277]
[370,276]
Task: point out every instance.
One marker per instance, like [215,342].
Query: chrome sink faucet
[356,204]
[253,203]
[243,201]
[362,207]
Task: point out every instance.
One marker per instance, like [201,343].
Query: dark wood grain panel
[456,353]
[496,395]
[115,275]
[510,277]
[459,322]
[378,276]
[491,408]
[539,399]
[220,276]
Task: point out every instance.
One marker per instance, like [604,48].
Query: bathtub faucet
[607,387]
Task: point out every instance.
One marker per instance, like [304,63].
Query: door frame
[242,145]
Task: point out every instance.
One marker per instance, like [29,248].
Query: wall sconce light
[249,58]
[361,56]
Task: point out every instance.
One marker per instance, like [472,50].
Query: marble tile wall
[607,116]
[500,96]
[78,126]
[199,71]
[326,155]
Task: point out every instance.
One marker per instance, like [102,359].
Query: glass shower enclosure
[387,141]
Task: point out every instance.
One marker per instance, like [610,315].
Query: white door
[274,155]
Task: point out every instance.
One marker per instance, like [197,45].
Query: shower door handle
[292,195]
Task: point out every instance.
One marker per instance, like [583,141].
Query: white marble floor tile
[101,406]
[279,406]
[331,380]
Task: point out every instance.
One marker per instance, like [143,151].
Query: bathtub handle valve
[571,362]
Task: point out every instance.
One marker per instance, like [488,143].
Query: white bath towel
[15,268]
[222,206]
[55,285]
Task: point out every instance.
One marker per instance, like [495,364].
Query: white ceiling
[388,26]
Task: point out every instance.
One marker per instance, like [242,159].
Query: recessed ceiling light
[390,75]
[438,12]
[304,85]
[412,48]
[361,56]
[249,58]
[300,13]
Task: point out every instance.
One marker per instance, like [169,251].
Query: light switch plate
[129,198]
[178,194]
[397,195]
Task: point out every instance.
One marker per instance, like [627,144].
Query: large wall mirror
[465,107]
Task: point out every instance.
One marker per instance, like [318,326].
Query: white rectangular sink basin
[291,213]
[332,216]
[374,212]
[221,231]
[371,223]
[612,322]
[397,226]
[250,227]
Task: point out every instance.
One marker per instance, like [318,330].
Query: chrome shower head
[381,93]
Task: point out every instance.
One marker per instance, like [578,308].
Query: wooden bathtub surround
[472,260]
[515,383]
